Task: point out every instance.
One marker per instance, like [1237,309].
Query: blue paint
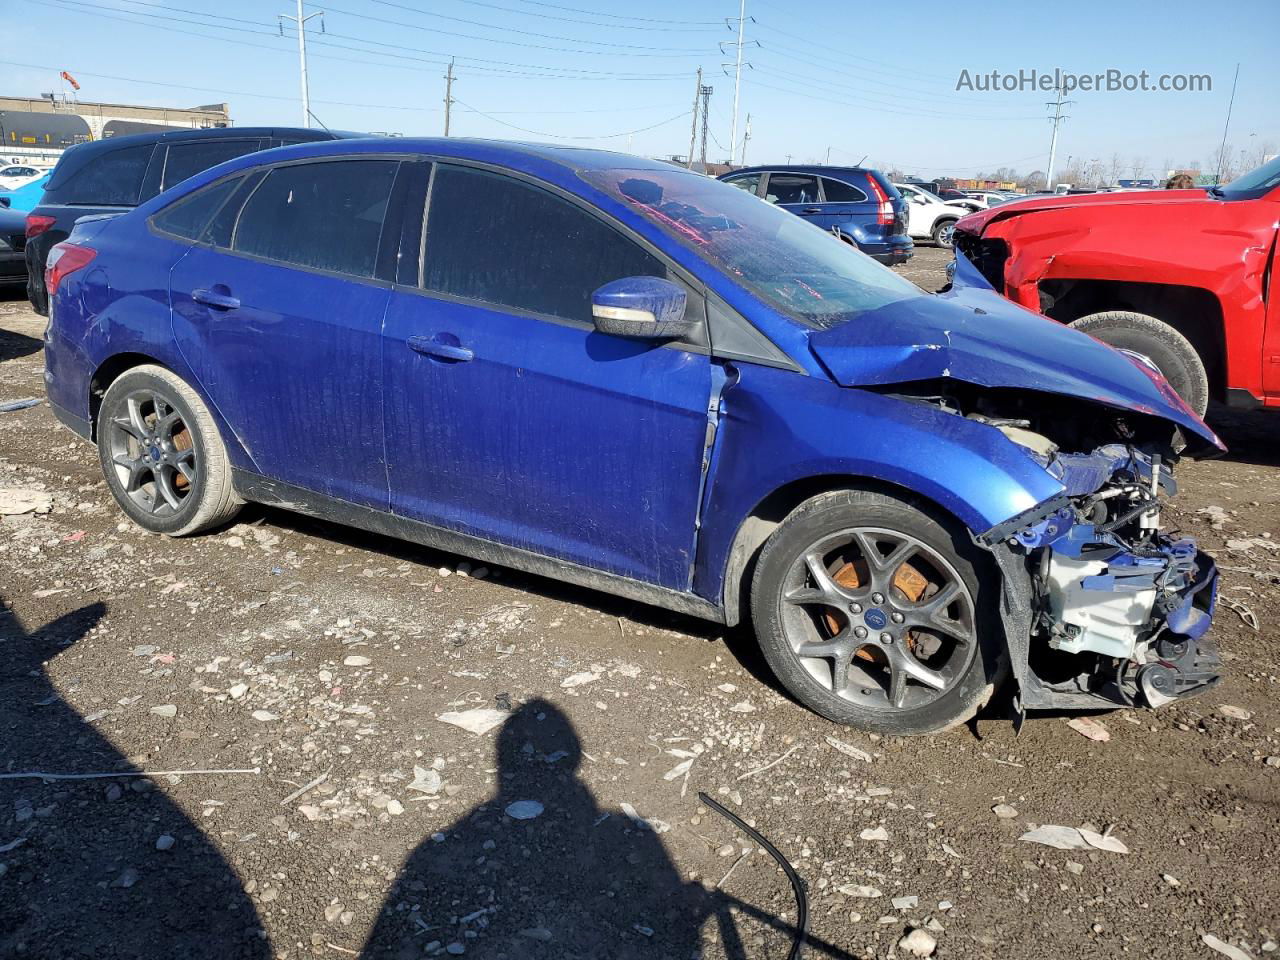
[875,618]
[635,457]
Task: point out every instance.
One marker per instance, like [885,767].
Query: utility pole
[737,79]
[448,96]
[706,111]
[1057,104]
[301,21]
[693,134]
[746,138]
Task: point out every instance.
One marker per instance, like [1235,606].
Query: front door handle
[437,346]
[811,210]
[216,298]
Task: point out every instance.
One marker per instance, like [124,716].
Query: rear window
[837,191]
[189,216]
[327,216]
[187,159]
[113,179]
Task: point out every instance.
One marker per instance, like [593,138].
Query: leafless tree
[1138,167]
[1113,169]
[1222,162]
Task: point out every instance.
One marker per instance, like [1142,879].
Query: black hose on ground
[797,885]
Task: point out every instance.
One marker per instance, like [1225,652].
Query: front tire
[872,613]
[161,454]
[944,233]
[1164,346]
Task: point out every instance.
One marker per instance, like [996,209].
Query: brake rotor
[908,580]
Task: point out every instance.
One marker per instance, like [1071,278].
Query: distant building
[35,126]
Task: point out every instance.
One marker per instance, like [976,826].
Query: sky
[821,78]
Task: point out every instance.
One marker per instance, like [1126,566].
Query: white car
[980,200]
[929,217]
[17,175]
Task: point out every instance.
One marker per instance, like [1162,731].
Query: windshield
[1253,184]
[799,269]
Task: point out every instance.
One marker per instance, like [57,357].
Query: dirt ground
[321,660]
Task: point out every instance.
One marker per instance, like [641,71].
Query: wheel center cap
[875,618]
[155,454]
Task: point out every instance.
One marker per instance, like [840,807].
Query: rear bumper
[891,253]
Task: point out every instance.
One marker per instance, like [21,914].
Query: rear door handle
[438,347]
[811,210]
[219,301]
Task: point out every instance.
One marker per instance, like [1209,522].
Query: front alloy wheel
[879,618]
[870,612]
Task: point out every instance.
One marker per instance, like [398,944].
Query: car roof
[74,159]
[818,169]
[534,158]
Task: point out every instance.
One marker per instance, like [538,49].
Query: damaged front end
[1102,608]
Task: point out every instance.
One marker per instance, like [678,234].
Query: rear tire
[162,456]
[1164,346]
[908,644]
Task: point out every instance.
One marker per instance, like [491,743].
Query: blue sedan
[617,373]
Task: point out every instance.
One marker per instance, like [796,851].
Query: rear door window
[187,159]
[837,191]
[189,216]
[114,179]
[327,216]
[792,188]
[507,242]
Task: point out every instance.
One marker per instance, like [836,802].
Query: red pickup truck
[1185,277]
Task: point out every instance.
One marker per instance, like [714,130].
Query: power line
[560,136]
[621,16]
[658,52]
[891,108]
[89,9]
[937,99]
[663,26]
[227,93]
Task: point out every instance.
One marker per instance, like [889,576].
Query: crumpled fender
[819,429]
[973,334]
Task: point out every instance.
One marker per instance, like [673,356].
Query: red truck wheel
[1164,346]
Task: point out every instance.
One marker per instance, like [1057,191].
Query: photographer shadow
[82,874]
[573,881]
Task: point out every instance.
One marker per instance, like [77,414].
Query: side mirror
[647,308]
[5,201]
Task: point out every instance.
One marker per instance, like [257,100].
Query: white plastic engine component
[1106,621]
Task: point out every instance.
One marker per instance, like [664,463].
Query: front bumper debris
[1101,608]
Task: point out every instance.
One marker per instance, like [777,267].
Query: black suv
[857,204]
[117,174]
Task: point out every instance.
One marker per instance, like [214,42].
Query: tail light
[37,224]
[884,206]
[64,259]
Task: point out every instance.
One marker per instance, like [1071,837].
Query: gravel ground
[323,660]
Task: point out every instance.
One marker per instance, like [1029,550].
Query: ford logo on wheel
[875,618]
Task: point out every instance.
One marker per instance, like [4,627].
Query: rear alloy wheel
[943,232]
[870,612]
[161,454]
[1170,351]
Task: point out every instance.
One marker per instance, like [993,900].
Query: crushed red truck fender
[1194,267]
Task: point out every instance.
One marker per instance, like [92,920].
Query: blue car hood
[973,334]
